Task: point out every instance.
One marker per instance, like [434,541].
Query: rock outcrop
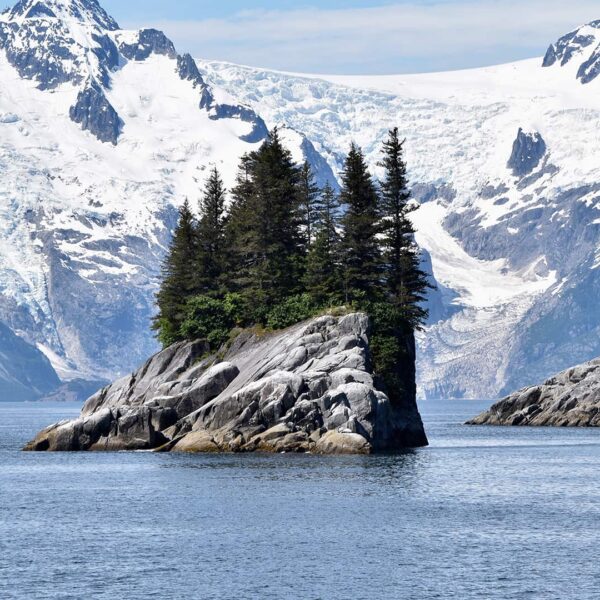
[310,388]
[570,399]
[527,153]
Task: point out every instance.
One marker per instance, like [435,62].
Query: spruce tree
[309,199]
[210,263]
[361,253]
[323,270]
[178,280]
[265,226]
[406,282]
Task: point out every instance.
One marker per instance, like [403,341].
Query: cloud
[414,36]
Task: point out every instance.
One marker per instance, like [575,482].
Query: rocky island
[309,388]
[570,399]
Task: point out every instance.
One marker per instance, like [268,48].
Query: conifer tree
[309,199]
[361,253]
[178,281]
[265,225]
[323,276]
[406,282]
[210,263]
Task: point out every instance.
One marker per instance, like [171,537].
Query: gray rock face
[96,114]
[528,151]
[40,45]
[570,399]
[247,115]
[25,373]
[42,42]
[150,41]
[188,71]
[590,69]
[77,9]
[310,388]
[571,46]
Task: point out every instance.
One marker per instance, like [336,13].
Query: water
[485,513]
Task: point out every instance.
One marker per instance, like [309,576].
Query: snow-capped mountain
[580,47]
[103,133]
[506,164]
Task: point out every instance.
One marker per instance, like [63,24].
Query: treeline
[280,250]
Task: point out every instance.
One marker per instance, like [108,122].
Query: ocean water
[484,513]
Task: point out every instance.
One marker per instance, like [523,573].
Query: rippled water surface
[484,513]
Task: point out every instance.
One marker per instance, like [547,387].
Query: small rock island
[570,399]
[309,388]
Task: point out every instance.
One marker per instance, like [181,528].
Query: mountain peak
[83,12]
[580,47]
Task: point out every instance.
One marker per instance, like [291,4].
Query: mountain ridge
[508,188]
[91,192]
[97,152]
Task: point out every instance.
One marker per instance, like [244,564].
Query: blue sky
[359,36]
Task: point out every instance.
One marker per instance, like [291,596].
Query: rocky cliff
[310,388]
[570,399]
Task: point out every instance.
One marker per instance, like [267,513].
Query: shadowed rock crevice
[310,388]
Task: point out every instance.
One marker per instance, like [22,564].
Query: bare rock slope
[570,399]
[310,388]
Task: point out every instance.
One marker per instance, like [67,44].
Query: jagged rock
[188,71]
[528,151]
[59,41]
[590,69]
[575,46]
[309,388]
[96,114]
[570,399]
[149,41]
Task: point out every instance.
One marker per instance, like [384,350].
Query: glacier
[105,131]
[505,163]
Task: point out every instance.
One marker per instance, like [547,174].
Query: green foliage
[407,284]
[178,280]
[324,275]
[361,252]
[308,195]
[292,310]
[237,309]
[284,251]
[265,229]
[206,318]
[391,349]
[167,332]
[210,258]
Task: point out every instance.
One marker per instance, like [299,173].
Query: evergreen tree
[210,264]
[309,200]
[265,225]
[323,271]
[178,279]
[361,253]
[406,282]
